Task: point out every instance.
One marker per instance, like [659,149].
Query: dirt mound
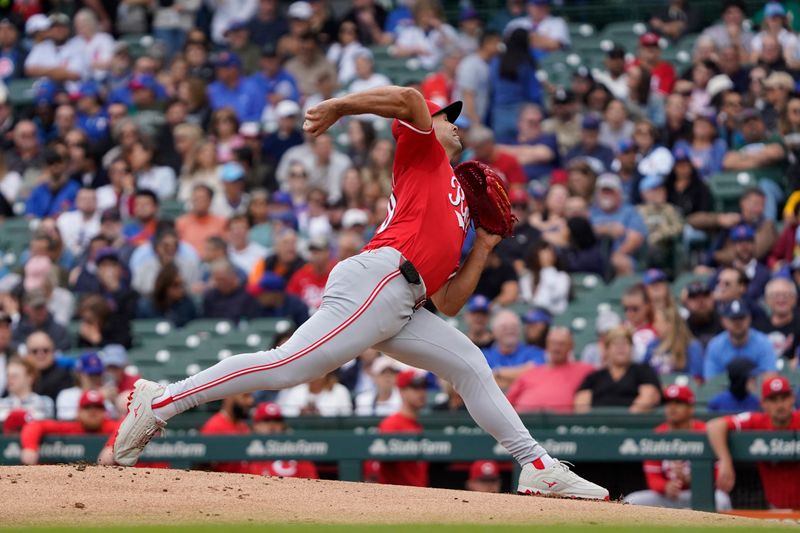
[80,495]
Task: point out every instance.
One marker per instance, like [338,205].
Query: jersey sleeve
[743,421]
[416,148]
[654,476]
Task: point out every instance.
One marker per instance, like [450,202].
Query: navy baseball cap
[536,316]
[271,281]
[478,304]
[143,81]
[106,254]
[654,275]
[89,363]
[590,122]
[227,59]
[681,154]
[734,309]
[626,145]
[281,198]
[237,25]
[741,233]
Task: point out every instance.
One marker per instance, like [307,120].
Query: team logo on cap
[672,390]
[775,384]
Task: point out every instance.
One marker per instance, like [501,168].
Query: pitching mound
[79,495]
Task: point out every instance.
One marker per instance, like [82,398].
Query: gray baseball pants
[652,498]
[367,303]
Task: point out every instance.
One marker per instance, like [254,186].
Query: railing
[349,450]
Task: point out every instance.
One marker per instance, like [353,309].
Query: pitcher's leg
[429,342]
[351,319]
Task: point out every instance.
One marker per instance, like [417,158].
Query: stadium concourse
[161,210]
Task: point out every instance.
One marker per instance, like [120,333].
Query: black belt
[409,271]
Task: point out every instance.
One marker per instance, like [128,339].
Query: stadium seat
[21,92]
[727,188]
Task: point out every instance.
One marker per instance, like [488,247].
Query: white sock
[167,411]
[543,461]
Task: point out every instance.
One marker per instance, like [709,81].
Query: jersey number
[389,214]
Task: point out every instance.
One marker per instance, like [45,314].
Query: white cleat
[558,480]
[140,424]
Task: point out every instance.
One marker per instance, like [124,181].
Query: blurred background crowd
[154,174]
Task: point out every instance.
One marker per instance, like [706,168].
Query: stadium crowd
[139,107]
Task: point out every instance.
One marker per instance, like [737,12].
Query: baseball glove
[487,198]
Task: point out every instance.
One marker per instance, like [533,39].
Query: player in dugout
[779,479]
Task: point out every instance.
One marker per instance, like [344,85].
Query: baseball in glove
[487,198]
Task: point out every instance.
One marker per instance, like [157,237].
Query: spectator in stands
[57,192]
[548,285]
[309,281]
[231,419]
[669,482]
[366,78]
[589,147]
[594,352]
[622,383]
[309,64]
[738,397]
[91,421]
[615,126]
[742,238]
[385,399]
[21,375]
[536,150]
[662,72]
[656,284]
[614,78]
[142,226]
[472,81]
[166,251]
[703,320]
[778,86]
[242,251]
[284,261]
[482,140]
[536,324]
[232,90]
[751,206]
[101,325]
[674,350]
[89,376]
[512,76]
[685,188]
[78,227]
[663,221]
[323,396]
[157,178]
[11,49]
[730,31]
[565,120]
[273,300]
[777,479]
[412,384]
[238,40]
[581,180]
[764,154]
[547,33]
[170,299]
[619,223]
[428,38]
[552,386]
[118,380]
[781,255]
[639,318]
[508,357]
[326,165]
[39,348]
[625,164]
[36,317]
[782,327]
[113,284]
[477,321]
[738,340]
[677,126]
[730,284]
[654,159]
[704,149]
[498,281]
[484,476]
[199,224]
[583,252]
[227,298]
[268,420]
[675,20]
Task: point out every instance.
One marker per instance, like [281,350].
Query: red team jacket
[658,473]
[781,481]
[33,432]
[411,473]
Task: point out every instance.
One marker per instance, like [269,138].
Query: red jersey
[308,285]
[662,77]
[411,473]
[302,469]
[508,168]
[428,215]
[437,87]
[658,473]
[33,432]
[220,424]
[780,480]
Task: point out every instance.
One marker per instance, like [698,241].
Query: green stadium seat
[21,92]
[623,29]
[727,188]
[172,209]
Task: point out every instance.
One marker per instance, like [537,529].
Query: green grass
[411,528]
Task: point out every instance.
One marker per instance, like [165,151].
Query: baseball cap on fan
[451,110]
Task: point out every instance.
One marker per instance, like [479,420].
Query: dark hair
[750,191]
[217,242]
[743,281]
[516,56]
[533,264]
[97,305]
[642,92]
[204,187]
[581,233]
[147,192]
[165,279]
[485,36]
